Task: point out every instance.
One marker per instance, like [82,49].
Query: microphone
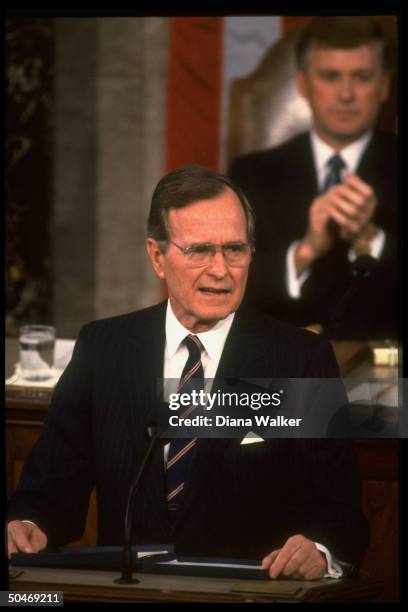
[153,433]
[362,269]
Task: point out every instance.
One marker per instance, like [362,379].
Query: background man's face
[202,296]
[345,89]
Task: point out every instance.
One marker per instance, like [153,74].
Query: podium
[98,586]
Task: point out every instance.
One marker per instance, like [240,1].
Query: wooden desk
[93,586]
[377,458]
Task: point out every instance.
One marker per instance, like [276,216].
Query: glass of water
[36,351]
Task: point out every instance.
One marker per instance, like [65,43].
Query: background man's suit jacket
[241,501]
[280,184]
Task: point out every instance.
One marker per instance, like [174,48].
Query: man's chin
[214,313]
[345,133]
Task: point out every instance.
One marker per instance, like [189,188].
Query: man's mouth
[345,112]
[214,290]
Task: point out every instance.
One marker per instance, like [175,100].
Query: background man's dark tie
[333,177]
[335,165]
[181,449]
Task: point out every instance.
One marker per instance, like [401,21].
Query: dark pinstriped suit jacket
[280,184]
[241,501]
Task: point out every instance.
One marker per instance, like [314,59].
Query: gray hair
[185,185]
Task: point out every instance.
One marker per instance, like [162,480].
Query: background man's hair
[343,32]
[186,185]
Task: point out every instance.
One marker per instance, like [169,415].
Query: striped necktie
[181,449]
[335,166]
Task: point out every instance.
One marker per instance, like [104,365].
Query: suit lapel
[302,188]
[144,363]
[244,351]
[306,169]
[371,164]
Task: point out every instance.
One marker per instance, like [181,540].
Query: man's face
[345,89]
[202,296]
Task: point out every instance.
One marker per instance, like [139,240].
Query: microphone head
[154,432]
[151,431]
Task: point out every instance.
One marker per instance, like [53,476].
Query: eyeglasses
[236,254]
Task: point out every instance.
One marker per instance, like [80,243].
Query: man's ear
[156,257]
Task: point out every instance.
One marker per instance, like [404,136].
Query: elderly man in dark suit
[293,503]
[325,201]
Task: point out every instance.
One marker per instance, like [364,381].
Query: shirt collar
[213,340]
[351,154]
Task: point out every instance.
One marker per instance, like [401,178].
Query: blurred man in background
[326,201]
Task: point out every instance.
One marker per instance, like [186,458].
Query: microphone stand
[126,577]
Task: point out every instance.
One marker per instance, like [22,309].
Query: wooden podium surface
[99,586]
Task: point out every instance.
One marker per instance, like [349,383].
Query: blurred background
[98,109]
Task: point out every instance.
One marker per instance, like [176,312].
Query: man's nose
[218,266]
[346,89]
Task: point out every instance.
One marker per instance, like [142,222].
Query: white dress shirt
[176,353]
[351,156]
